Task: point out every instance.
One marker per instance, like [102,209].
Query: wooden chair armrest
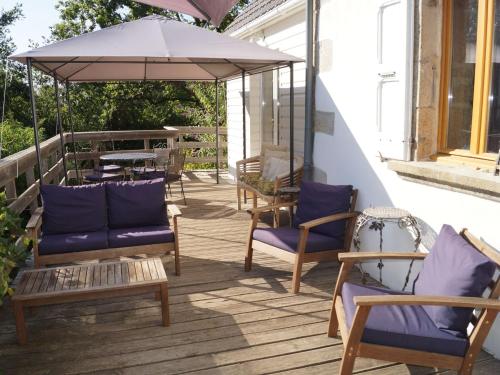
[273,207]
[363,256]
[174,210]
[248,160]
[467,302]
[35,220]
[328,219]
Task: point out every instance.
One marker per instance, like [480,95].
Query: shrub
[12,253]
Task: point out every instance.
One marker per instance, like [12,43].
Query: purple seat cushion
[73,209]
[317,200]
[403,326]
[73,242]
[453,268]
[136,204]
[140,236]
[288,238]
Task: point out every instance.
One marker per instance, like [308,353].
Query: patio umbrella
[155,48]
[213,11]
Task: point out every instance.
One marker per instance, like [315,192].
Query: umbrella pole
[217,127]
[70,120]
[34,119]
[59,128]
[292,104]
[243,102]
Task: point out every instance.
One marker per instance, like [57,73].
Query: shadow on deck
[223,319]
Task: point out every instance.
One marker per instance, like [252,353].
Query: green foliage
[11,254]
[15,137]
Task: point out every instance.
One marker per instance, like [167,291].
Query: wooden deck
[223,320]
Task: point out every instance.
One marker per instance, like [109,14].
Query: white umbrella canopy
[152,48]
[213,11]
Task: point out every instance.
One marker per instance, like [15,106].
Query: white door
[394,77]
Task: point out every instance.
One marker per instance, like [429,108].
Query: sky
[39,15]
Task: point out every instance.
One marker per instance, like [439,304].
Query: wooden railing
[18,171]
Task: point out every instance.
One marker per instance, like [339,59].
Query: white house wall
[287,33]
[350,155]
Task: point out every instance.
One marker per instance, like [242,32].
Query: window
[470,86]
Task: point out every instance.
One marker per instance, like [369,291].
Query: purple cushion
[402,326]
[288,238]
[136,203]
[73,209]
[73,242]
[453,268]
[317,200]
[140,236]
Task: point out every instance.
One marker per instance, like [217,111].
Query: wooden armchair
[301,243]
[249,171]
[367,321]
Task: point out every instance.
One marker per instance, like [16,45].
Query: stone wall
[427,73]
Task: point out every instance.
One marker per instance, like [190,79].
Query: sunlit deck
[223,320]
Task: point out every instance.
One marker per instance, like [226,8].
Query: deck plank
[223,320]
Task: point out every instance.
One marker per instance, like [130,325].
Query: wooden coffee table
[48,286]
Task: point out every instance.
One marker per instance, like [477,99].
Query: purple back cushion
[136,203]
[453,268]
[73,209]
[317,200]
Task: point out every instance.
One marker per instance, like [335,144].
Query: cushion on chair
[140,236]
[288,238]
[136,203]
[72,242]
[109,168]
[453,268]
[318,200]
[73,209]
[103,177]
[403,326]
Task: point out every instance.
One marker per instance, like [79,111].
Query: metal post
[292,114]
[59,128]
[70,120]
[243,98]
[35,125]
[217,127]
[308,128]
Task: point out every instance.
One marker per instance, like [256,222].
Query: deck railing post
[59,128]
[217,128]
[34,119]
[292,115]
[70,120]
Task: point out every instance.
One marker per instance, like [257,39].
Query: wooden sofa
[250,170]
[103,221]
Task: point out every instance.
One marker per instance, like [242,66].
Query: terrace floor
[223,320]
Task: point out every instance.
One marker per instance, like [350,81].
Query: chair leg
[254,200]
[333,324]
[297,272]
[248,258]
[169,189]
[347,364]
[177,261]
[182,191]
[245,196]
[238,193]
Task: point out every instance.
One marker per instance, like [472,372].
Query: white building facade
[378,112]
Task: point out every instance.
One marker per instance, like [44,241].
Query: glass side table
[377,218]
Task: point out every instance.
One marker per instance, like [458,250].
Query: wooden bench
[86,282]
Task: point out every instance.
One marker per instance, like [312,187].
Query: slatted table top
[58,281]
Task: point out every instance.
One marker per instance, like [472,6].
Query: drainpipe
[308,128]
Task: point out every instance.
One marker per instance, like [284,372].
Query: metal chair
[175,170]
